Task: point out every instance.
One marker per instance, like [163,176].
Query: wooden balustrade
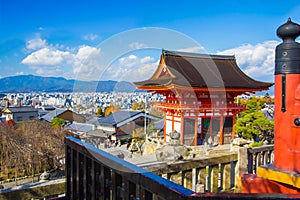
[258,156]
[94,174]
[215,172]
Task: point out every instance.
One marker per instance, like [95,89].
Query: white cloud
[257,60]
[144,72]
[147,59]
[134,61]
[137,45]
[129,61]
[85,52]
[85,64]
[196,49]
[47,56]
[19,73]
[36,44]
[90,37]
[49,61]
[132,68]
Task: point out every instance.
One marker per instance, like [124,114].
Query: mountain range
[31,83]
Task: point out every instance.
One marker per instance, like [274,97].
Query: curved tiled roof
[117,117]
[200,71]
[120,117]
[54,113]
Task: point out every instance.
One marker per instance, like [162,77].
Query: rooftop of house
[159,124]
[120,118]
[54,113]
[19,109]
[81,127]
[93,120]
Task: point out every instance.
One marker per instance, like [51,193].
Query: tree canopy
[57,122]
[111,109]
[138,106]
[252,123]
[99,112]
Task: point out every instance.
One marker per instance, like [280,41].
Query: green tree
[138,106]
[134,106]
[267,95]
[252,123]
[57,122]
[111,109]
[253,104]
[99,112]
[255,126]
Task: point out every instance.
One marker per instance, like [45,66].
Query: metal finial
[288,31]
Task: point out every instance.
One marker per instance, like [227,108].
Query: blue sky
[122,40]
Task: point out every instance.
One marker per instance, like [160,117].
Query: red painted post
[287,99]
[221,130]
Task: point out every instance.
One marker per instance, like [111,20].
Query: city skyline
[123,41]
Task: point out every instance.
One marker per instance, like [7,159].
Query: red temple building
[200,91]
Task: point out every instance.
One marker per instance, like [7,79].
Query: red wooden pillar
[196,132]
[210,126]
[173,122]
[233,123]
[165,128]
[182,129]
[221,128]
[287,99]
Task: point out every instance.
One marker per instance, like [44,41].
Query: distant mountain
[31,83]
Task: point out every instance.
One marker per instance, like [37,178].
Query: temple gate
[200,91]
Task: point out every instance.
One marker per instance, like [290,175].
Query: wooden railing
[212,173]
[258,156]
[94,174]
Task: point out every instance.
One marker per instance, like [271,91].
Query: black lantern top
[288,30]
[287,57]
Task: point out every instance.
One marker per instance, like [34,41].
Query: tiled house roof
[119,118]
